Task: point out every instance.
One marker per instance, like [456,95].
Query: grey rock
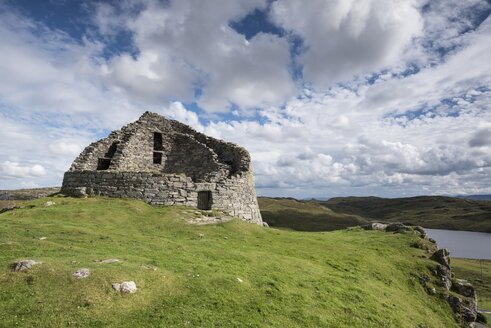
[397,227]
[23,265]
[49,203]
[442,256]
[464,288]
[375,226]
[107,261]
[265,224]
[465,308]
[81,273]
[128,287]
[431,290]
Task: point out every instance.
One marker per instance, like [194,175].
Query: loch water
[463,244]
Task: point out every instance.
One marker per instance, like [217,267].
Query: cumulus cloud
[190,43]
[353,120]
[14,169]
[346,38]
[481,138]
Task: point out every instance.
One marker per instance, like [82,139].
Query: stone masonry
[165,162]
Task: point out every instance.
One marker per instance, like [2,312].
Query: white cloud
[13,169]
[397,135]
[190,43]
[346,38]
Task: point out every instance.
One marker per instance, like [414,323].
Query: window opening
[157,141]
[157,158]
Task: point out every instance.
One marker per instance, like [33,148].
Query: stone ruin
[165,162]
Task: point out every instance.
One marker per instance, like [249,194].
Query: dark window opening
[112,150]
[157,158]
[103,163]
[204,200]
[157,141]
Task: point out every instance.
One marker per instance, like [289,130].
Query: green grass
[304,215]
[348,278]
[477,272]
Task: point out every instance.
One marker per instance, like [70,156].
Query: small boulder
[420,231]
[265,224]
[431,290]
[442,256]
[240,280]
[464,288]
[396,227]
[79,192]
[107,261]
[49,203]
[127,287]
[82,273]
[465,308]
[374,226]
[24,265]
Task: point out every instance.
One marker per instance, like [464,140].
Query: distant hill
[304,215]
[28,194]
[475,197]
[428,211]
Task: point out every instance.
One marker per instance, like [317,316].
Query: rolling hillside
[428,211]
[304,215]
[225,275]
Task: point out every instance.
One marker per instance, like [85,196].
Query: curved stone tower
[165,162]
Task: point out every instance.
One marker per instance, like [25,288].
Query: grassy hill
[304,215]
[428,211]
[227,275]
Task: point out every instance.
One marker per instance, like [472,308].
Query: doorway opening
[204,200]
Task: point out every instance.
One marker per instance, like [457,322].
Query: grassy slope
[471,271]
[428,211]
[304,215]
[290,279]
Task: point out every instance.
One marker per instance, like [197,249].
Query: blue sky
[333,97]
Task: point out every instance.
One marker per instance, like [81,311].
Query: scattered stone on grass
[265,224]
[107,261]
[431,290]
[23,265]
[128,287]
[49,203]
[397,227]
[81,273]
[240,280]
[375,226]
[42,238]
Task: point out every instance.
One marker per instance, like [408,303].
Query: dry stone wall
[235,196]
[166,162]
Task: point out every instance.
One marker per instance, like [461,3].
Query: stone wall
[236,195]
[130,163]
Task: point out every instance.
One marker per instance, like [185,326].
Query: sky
[389,98]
